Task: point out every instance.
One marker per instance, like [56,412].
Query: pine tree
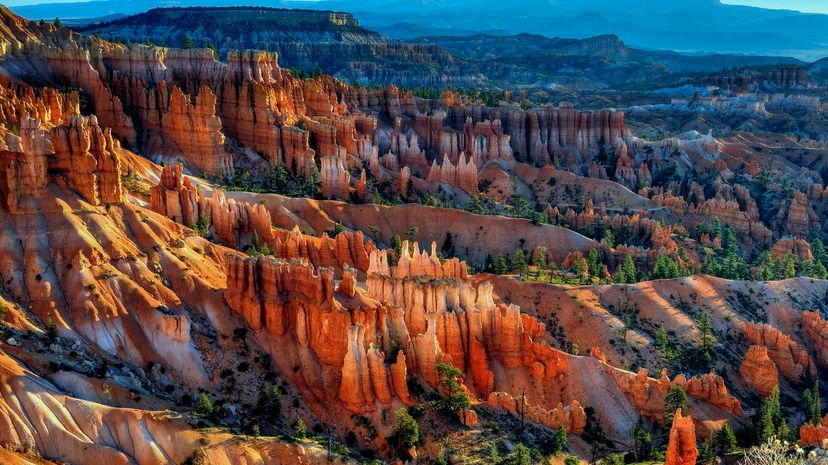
[790,266]
[300,428]
[716,227]
[724,440]
[676,399]
[408,431]
[706,328]
[626,273]
[519,261]
[186,42]
[643,443]
[729,243]
[396,244]
[808,405]
[609,239]
[768,419]
[662,342]
[819,252]
[456,399]
[593,262]
[204,406]
[560,440]
[58,23]
[500,266]
[520,456]
[274,401]
[816,404]
[539,260]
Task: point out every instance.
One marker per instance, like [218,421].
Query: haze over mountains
[335,44]
[692,26]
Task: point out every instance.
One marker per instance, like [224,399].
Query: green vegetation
[276,180]
[51,331]
[520,455]
[676,399]
[768,422]
[408,431]
[204,406]
[643,448]
[202,226]
[456,400]
[811,404]
[300,430]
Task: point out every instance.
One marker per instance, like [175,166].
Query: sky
[811,6]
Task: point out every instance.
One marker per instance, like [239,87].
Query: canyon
[229,262]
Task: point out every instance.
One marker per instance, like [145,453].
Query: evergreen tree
[665,268]
[768,419]
[186,42]
[593,262]
[819,252]
[520,456]
[790,266]
[58,23]
[274,401]
[662,341]
[626,273]
[808,405]
[816,404]
[519,261]
[706,328]
[500,266]
[456,399]
[609,239]
[408,431]
[724,440]
[204,406]
[539,260]
[715,228]
[676,399]
[643,449]
[396,244]
[729,243]
[560,440]
[300,429]
[707,453]
[494,455]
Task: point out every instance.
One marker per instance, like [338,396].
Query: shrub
[773,452]
[51,330]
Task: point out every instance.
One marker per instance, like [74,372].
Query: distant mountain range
[335,43]
[690,26]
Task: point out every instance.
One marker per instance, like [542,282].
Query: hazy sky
[814,6]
